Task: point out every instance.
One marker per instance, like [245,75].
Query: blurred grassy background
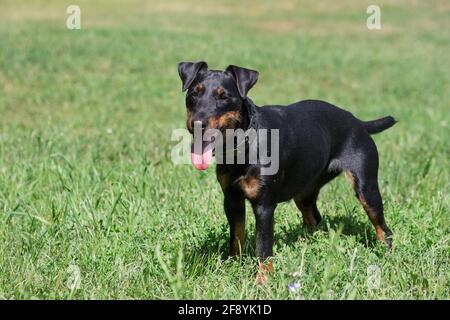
[85,123]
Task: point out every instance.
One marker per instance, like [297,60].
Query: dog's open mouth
[202,148]
[201,154]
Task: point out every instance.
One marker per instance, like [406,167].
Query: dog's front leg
[264,229]
[234,204]
[264,214]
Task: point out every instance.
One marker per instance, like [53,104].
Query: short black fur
[318,141]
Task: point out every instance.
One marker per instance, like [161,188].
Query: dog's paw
[264,268]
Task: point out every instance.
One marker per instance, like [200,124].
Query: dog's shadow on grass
[215,242]
[347,226]
[212,245]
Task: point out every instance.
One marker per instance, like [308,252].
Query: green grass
[85,172]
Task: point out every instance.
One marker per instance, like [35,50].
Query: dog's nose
[197,122]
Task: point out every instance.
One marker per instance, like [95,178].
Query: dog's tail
[379,125]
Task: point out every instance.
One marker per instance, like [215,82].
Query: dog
[317,142]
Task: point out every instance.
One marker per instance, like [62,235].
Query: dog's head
[214,99]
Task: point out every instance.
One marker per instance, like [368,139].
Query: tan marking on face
[250,186]
[213,123]
[219,91]
[189,120]
[199,88]
[228,120]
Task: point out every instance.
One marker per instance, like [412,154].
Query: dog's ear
[245,78]
[188,71]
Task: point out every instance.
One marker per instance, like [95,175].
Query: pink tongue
[202,158]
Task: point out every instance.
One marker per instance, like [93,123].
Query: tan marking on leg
[237,245]
[350,177]
[380,234]
[307,213]
[250,186]
[264,268]
[372,215]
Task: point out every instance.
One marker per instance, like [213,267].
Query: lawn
[92,207]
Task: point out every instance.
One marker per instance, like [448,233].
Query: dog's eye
[222,96]
[197,90]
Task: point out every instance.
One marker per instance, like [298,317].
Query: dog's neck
[249,115]
[250,122]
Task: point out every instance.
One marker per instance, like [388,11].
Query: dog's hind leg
[308,207]
[363,172]
[307,204]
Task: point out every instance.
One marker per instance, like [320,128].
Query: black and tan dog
[317,141]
